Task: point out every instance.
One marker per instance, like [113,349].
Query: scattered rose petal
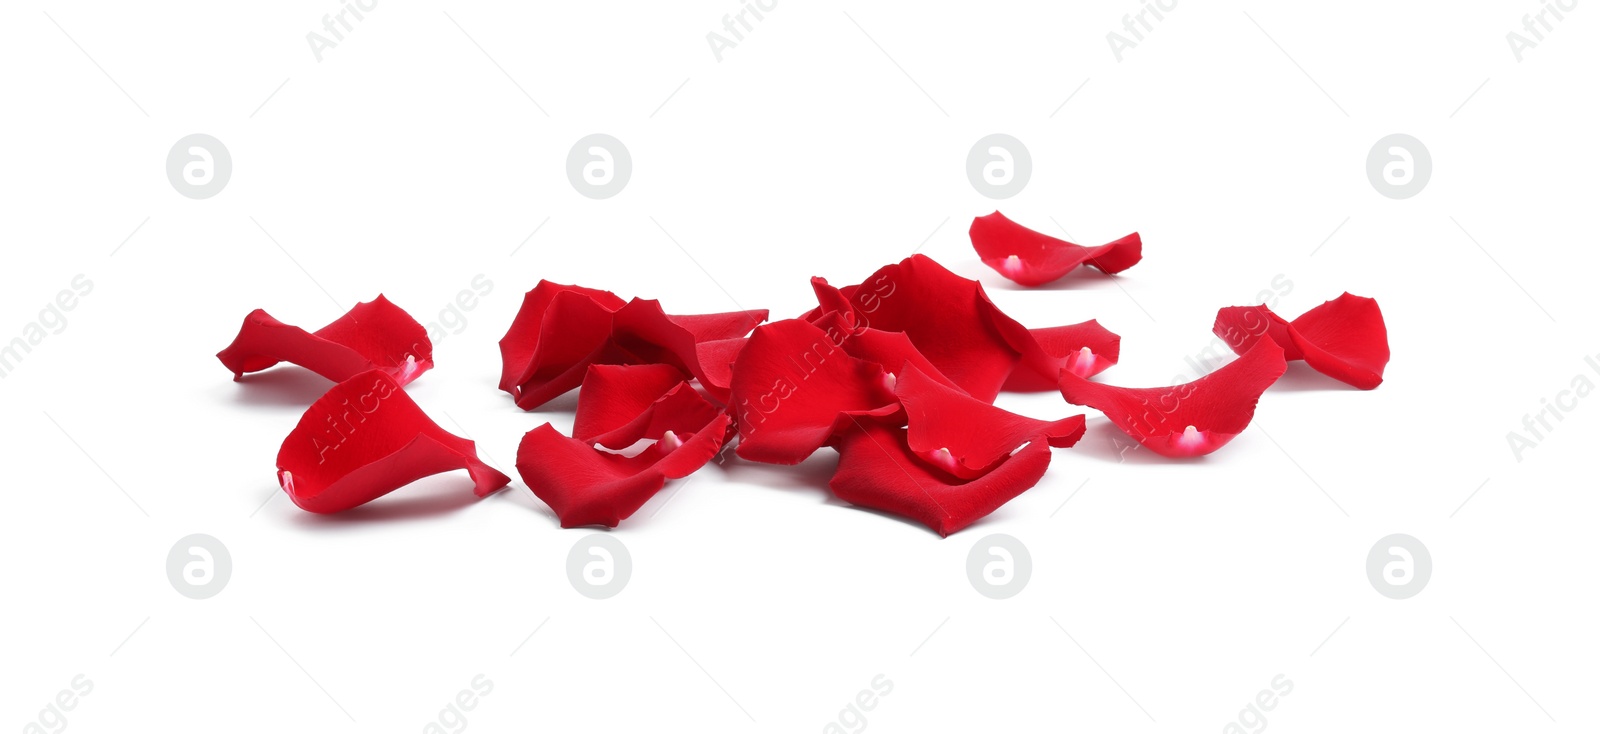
[716,362]
[366,438]
[794,387]
[966,437]
[587,486]
[620,405]
[373,335]
[878,470]
[1085,350]
[1032,258]
[562,329]
[889,349]
[559,331]
[1344,338]
[947,317]
[651,336]
[1191,419]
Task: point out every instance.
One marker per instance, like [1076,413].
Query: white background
[831,141]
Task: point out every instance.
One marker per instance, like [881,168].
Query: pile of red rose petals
[898,374]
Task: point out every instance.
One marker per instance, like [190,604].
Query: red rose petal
[716,362]
[651,336]
[878,470]
[1032,258]
[1191,419]
[586,486]
[1085,349]
[620,405]
[890,349]
[373,335]
[794,388]
[1344,338]
[947,317]
[562,329]
[1242,326]
[968,437]
[366,438]
[615,394]
[559,331]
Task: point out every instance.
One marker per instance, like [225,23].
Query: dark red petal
[559,331]
[1033,258]
[1191,419]
[621,404]
[968,437]
[1085,349]
[366,438]
[650,335]
[1344,338]
[373,335]
[877,470]
[794,387]
[946,316]
[586,486]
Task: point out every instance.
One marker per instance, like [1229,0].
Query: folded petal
[1085,349]
[1032,258]
[890,349]
[966,437]
[619,405]
[587,486]
[1242,326]
[366,438]
[794,387]
[1191,419]
[651,336]
[559,331]
[716,362]
[1344,338]
[878,470]
[947,317]
[373,335]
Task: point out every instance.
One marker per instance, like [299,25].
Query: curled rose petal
[794,387]
[947,317]
[966,437]
[1085,350]
[1191,419]
[587,486]
[619,405]
[559,331]
[890,349]
[366,438]
[562,329]
[878,470]
[651,336]
[1032,258]
[373,335]
[1344,338]
[716,362]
